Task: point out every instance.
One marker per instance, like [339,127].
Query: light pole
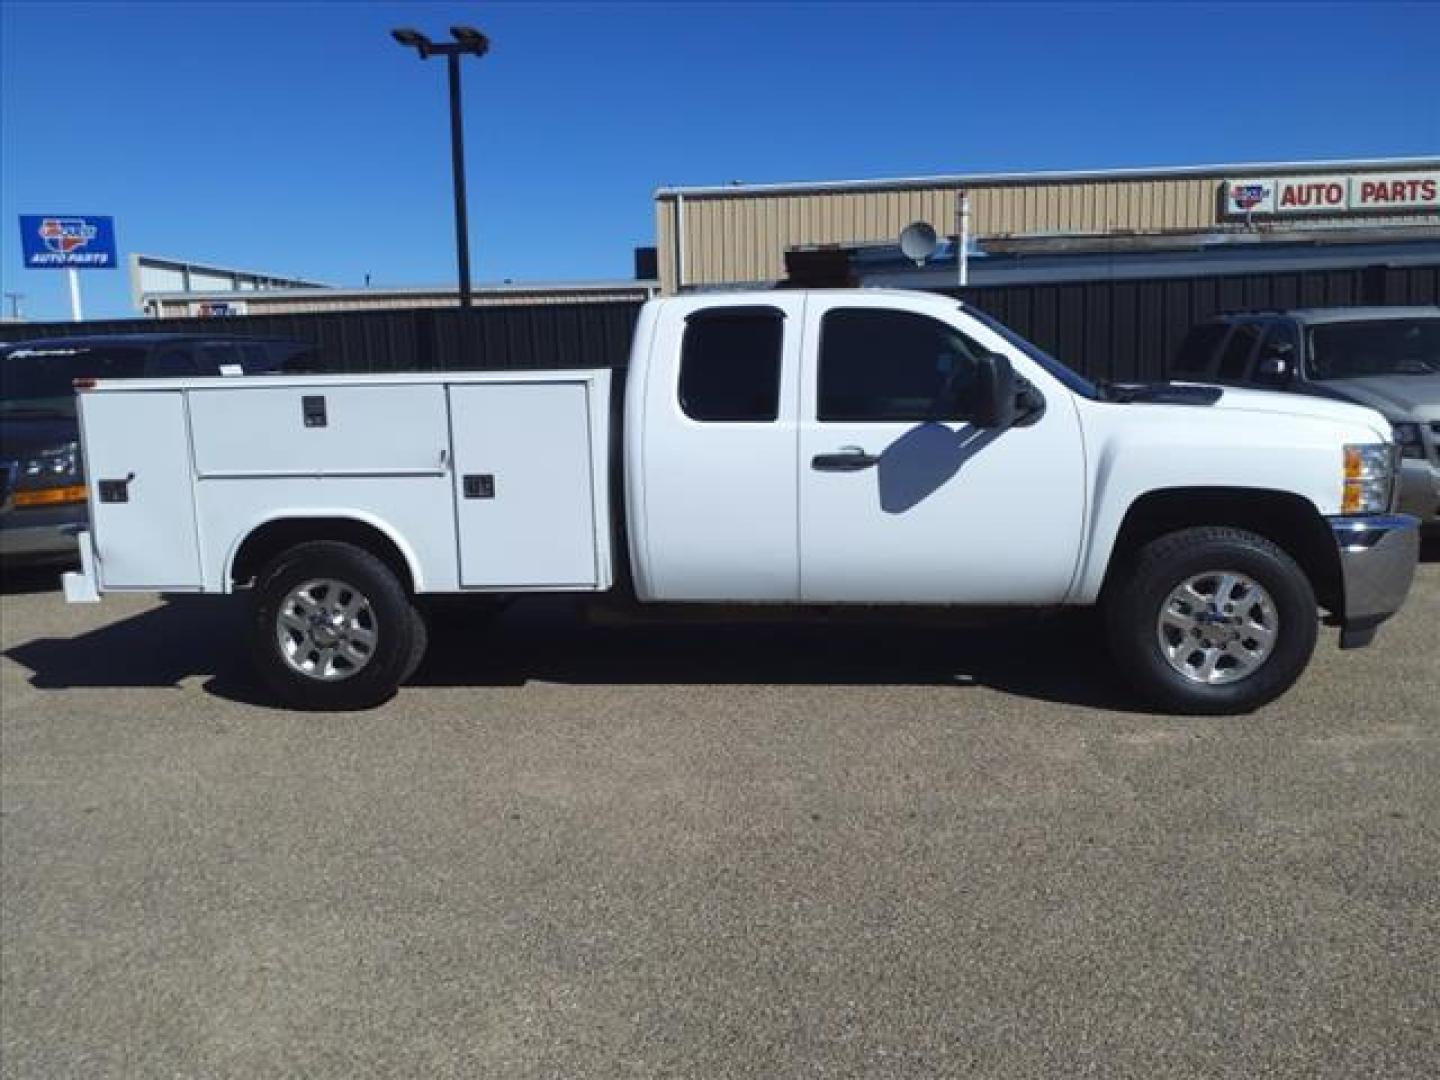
[468,41]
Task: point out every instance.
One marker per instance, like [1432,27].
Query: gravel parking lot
[709,851]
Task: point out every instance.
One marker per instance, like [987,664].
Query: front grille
[8,469]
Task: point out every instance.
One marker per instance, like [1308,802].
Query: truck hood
[1399,397]
[1307,405]
[22,437]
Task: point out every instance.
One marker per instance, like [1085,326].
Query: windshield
[1076,383]
[37,381]
[1380,347]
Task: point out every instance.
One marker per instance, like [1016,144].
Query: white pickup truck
[843,451]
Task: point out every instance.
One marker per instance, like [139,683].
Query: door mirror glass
[1275,364]
[1272,369]
[989,400]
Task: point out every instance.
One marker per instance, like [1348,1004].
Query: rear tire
[1211,621]
[333,628]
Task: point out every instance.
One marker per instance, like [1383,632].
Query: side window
[1238,349]
[730,364]
[172,363]
[1197,351]
[892,365]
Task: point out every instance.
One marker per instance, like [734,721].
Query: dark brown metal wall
[1108,329]
[1123,330]
[422,339]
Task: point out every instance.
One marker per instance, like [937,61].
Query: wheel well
[274,537]
[1287,520]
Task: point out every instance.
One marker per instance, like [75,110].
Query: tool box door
[523,490]
[142,502]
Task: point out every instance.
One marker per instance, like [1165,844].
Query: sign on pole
[68,242]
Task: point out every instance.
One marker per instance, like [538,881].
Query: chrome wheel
[1218,627]
[326,629]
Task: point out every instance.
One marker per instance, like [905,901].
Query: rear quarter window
[730,365]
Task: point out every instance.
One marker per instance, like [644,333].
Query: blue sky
[298,138]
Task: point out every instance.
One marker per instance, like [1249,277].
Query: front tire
[1211,621]
[333,628]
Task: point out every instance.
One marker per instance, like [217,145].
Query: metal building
[710,237]
[179,288]
[283,301]
[154,274]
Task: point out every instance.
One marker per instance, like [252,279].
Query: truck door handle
[846,459]
[115,491]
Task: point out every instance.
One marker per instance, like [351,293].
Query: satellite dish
[917,242]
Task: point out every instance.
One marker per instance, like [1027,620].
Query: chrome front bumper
[1420,491]
[1378,554]
[42,534]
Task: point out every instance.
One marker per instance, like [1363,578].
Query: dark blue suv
[42,483]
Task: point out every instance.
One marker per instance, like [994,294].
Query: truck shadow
[547,640]
[183,637]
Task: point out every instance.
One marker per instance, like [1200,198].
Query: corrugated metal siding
[1129,330]
[500,338]
[741,237]
[1121,330]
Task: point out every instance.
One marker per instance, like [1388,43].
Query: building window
[730,364]
[879,365]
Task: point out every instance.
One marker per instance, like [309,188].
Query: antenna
[917,242]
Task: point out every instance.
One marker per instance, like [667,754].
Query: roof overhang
[998,179]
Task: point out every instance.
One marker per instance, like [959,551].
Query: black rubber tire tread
[1131,605]
[419,645]
[395,652]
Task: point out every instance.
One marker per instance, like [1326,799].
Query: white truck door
[525,485]
[896,507]
[710,451]
[142,499]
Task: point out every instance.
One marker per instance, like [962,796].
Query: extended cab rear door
[899,507]
[710,450]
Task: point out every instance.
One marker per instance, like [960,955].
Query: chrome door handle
[846,459]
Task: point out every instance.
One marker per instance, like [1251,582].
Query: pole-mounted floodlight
[471,40]
[468,42]
[411,39]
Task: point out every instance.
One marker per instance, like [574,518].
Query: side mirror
[1274,366]
[992,399]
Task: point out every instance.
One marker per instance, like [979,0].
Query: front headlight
[1369,478]
[1407,437]
[52,466]
[50,478]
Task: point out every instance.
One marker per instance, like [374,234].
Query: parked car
[1385,357]
[838,451]
[42,492]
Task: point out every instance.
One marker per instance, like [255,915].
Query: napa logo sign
[67,241]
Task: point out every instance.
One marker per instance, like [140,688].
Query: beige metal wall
[741,236]
[282,302]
